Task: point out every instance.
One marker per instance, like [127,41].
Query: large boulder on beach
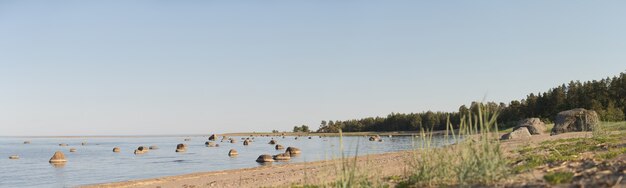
[521,133]
[232,153]
[575,120]
[282,157]
[534,125]
[293,150]
[265,158]
[181,148]
[213,137]
[58,157]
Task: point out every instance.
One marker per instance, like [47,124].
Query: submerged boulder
[153,147]
[575,120]
[282,157]
[27,142]
[181,148]
[534,125]
[72,149]
[521,133]
[265,158]
[58,157]
[279,147]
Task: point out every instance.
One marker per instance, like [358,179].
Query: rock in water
[265,158]
[62,144]
[209,144]
[213,137]
[84,143]
[153,147]
[575,120]
[534,125]
[72,149]
[293,150]
[116,149]
[27,142]
[232,153]
[58,157]
[181,148]
[279,147]
[282,157]
[272,141]
[14,157]
[246,142]
[141,150]
[521,133]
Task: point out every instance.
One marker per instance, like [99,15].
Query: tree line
[606,96]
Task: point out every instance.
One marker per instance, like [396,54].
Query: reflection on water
[95,162]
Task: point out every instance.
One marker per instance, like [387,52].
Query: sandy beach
[376,165]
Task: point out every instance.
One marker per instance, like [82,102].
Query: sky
[202,67]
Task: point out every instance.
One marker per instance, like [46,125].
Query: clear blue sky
[200,67]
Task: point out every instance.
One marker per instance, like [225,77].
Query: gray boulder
[534,125]
[521,133]
[575,120]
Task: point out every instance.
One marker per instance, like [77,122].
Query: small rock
[72,149]
[14,157]
[282,157]
[265,158]
[116,150]
[232,153]
[181,148]
[293,150]
[279,147]
[58,157]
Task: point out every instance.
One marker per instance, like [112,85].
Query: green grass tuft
[558,177]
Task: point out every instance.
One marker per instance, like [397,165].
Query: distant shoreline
[244,134]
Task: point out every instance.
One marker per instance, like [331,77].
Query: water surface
[96,163]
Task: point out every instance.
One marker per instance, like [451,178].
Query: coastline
[318,172]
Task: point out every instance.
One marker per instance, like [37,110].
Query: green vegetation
[474,160]
[302,128]
[605,144]
[559,177]
[607,97]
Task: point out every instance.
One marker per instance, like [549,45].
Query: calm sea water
[96,163]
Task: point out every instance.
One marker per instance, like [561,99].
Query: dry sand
[376,165]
